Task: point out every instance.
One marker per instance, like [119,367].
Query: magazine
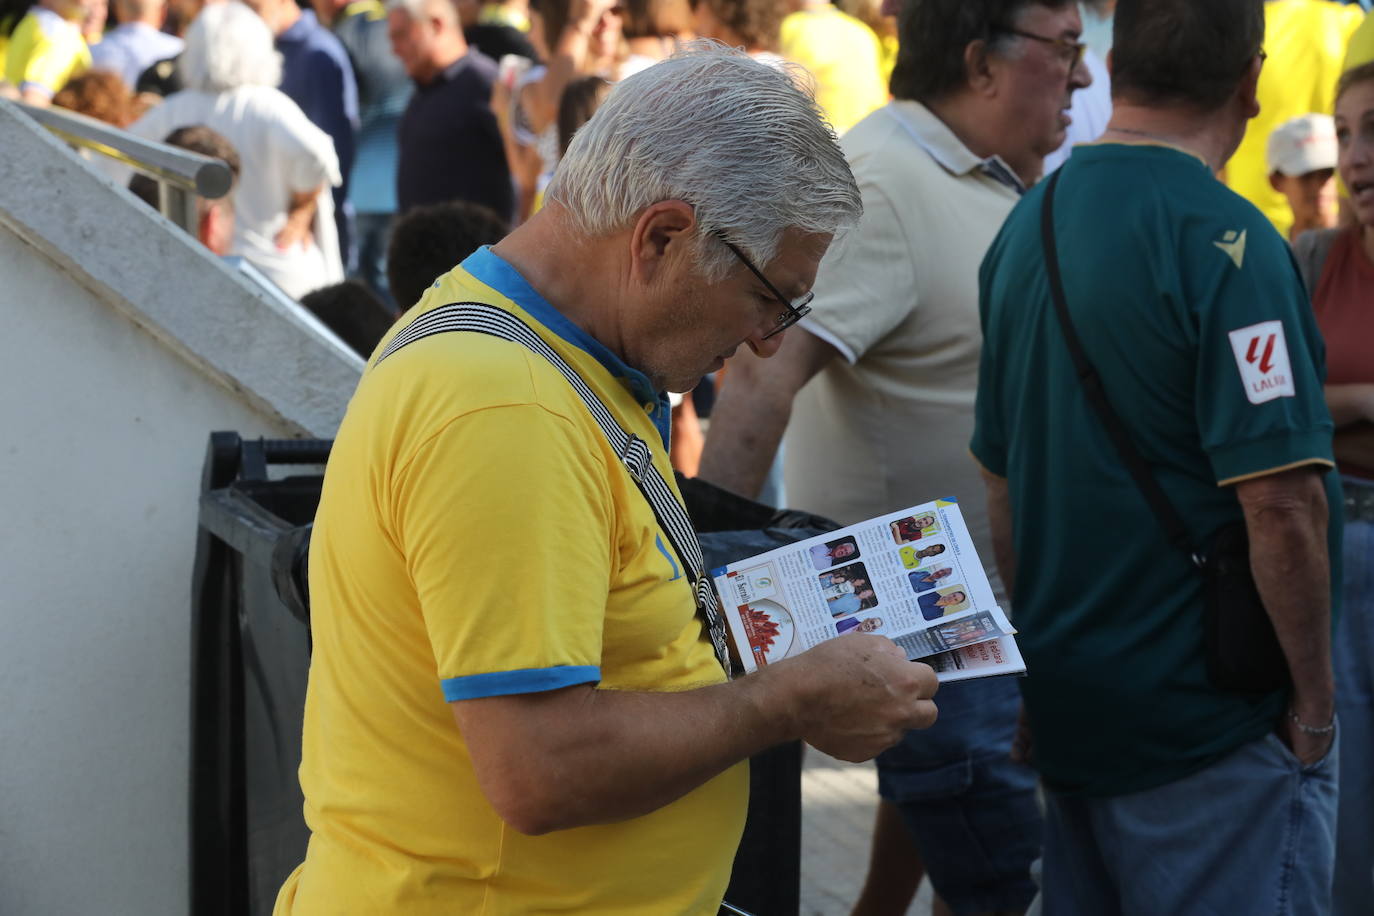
[913,576]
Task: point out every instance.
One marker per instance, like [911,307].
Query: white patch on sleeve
[1262,358]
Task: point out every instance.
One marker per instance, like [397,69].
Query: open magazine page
[912,576]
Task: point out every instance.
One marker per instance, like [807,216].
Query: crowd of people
[1120,252]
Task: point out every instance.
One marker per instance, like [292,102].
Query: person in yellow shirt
[1361,48]
[47,48]
[1305,41]
[517,699]
[844,56]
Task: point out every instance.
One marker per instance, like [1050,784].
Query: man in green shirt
[1166,793]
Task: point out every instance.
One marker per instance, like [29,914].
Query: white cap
[1305,144]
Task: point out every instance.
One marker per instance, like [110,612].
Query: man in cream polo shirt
[880,391]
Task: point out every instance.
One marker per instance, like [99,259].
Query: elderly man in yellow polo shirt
[518,700]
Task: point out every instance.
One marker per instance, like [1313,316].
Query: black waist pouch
[1243,652]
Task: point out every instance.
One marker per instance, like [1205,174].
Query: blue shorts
[971,811]
[1252,833]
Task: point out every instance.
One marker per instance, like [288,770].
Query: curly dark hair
[756,22]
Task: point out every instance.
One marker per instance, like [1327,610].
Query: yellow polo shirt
[844,56]
[1360,51]
[477,536]
[44,52]
[1306,43]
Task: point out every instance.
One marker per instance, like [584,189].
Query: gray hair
[420,10]
[737,139]
[228,46]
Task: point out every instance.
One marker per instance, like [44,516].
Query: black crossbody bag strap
[478,317]
[1174,527]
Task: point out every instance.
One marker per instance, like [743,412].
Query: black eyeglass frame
[1066,44]
[792,311]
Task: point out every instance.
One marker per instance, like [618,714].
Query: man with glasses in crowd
[882,377]
[1170,789]
[517,703]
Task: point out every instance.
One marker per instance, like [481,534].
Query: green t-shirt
[1190,306]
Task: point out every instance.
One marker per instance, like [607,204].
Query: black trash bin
[250,656]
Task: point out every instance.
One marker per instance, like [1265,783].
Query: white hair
[420,10]
[739,140]
[228,46]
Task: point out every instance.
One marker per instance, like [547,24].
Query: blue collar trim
[491,269]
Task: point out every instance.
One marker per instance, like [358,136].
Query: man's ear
[1276,181]
[1248,91]
[978,68]
[663,231]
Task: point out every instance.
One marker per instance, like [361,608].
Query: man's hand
[860,695]
[300,216]
[1307,748]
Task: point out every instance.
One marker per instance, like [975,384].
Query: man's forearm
[582,756]
[752,411]
[746,427]
[1286,520]
[1000,523]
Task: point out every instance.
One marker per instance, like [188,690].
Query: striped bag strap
[634,452]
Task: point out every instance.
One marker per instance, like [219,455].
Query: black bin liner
[250,656]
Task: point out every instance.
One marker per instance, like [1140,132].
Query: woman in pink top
[1339,265]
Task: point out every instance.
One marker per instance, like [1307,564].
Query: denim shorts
[1254,833]
[971,811]
[1354,664]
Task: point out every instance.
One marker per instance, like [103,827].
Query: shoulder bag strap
[1174,528]
[633,451]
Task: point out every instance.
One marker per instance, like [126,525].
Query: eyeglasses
[1073,50]
[792,311]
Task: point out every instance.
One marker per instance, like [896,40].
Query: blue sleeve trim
[528,680]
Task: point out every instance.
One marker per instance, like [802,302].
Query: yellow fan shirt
[44,52]
[1306,43]
[845,57]
[477,536]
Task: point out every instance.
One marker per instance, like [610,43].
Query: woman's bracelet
[1313,730]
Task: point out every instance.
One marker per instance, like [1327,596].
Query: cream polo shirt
[888,426]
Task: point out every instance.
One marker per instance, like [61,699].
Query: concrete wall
[123,345]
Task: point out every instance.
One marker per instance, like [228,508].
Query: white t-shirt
[281,153]
[888,425]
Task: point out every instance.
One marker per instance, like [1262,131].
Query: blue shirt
[131,48]
[318,77]
[451,146]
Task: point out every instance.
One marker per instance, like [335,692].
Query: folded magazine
[913,576]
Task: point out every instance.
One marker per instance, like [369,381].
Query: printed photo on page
[912,576]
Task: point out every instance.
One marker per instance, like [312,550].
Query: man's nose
[765,348]
[1080,77]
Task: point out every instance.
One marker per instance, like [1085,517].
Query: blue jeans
[374,234]
[971,811]
[1254,833]
[1354,663]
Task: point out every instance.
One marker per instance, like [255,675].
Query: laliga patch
[1262,357]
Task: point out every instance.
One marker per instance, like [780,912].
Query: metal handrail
[181,175]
